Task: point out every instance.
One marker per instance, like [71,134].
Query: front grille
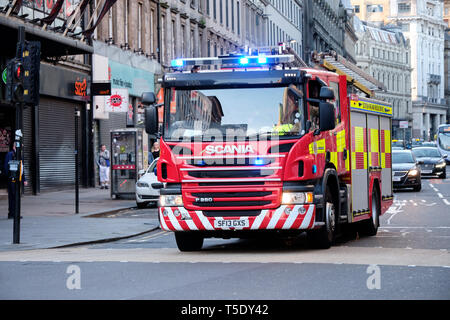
[400,173]
[231,213]
[229,162]
[231,173]
[231,194]
[231,203]
[227,184]
[239,199]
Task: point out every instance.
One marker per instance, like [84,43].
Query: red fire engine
[252,145]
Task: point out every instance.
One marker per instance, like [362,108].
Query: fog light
[287,211]
[302,210]
[176,212]
[165,213]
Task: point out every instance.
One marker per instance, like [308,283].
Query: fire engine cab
[253,145]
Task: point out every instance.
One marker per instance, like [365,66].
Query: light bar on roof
[234,61]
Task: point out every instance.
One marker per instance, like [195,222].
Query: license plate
[427,171]
[233,223]
[397,178]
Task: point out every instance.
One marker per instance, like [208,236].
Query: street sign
[403,124]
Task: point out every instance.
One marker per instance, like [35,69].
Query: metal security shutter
[28,146]
[57,144]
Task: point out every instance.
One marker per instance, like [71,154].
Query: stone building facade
[385,53]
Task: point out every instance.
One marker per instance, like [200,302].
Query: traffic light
[15,81]
[31,57]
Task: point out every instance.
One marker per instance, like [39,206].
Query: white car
[144,191]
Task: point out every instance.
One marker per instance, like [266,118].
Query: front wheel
[189,241]
[324,237]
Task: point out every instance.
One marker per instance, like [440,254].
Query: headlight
[142,185]
[171,200]
[440,164]
[413,173]
[297,197]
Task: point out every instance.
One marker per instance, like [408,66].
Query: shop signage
[117,101]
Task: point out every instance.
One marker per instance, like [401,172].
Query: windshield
[238,113]
[402,157]
[434,153]
[444,141]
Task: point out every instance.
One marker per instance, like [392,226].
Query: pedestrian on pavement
[103,164]
[11,155]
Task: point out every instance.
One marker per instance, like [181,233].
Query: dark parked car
[433,162]
[405,170]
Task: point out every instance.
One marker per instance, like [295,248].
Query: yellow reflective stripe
[334,159]
[353,160]
[387,141]
[317,147]
[383,160]
[365,160]
[347,163]
[340,141]
[373,140]
[359,139]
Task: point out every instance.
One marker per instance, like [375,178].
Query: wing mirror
[327,117]
[326,93]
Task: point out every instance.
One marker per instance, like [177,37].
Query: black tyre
[325,236]
[418,188]
[141,205]
[444,175]
[370,226]
[189,241]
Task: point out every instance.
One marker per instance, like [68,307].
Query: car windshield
[429,152]
[444,141]
[237,113]
[402,157]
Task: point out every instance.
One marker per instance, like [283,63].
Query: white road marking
[344,255]
[446,202]
[440,195]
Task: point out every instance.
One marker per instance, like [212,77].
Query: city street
[408,259]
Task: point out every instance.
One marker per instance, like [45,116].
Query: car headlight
[171,200]
[297,197]
[142,185]
[413,172]
[440,164]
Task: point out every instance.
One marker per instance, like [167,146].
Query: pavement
[49,220]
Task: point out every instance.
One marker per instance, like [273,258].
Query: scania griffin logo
[228,149]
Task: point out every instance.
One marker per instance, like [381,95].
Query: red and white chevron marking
[286,217]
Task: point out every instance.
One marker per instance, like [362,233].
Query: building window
[226,13]
[404,7]
[139,26]
[374,8]
[238,15]
[232,15]
[221,11]
[357,9]
[215,9]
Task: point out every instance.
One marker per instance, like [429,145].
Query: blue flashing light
[314,168]
[243,61]
[262,59]
[177,63]
[201,163]
[259,162]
